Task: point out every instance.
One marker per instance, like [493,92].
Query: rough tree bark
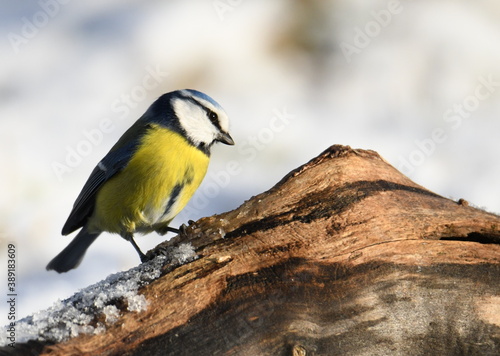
[344,256]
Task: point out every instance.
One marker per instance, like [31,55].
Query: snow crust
[91,309]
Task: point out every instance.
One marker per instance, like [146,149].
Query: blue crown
[204,96]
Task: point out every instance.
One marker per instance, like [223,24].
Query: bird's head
[199,118]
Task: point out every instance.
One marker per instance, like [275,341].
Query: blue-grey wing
[114,162]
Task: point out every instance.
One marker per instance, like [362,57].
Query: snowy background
[417,81]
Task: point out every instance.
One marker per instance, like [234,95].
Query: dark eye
[212,116]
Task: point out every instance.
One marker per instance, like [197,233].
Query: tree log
[344,256]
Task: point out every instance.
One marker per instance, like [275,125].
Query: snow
[76,315]
[111,313]
[183,253]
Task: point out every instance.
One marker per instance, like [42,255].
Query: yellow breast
[153,188]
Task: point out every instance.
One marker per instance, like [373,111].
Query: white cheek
[224,122]
[194,121]
[223,119]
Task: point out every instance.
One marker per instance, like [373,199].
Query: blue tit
[148,176]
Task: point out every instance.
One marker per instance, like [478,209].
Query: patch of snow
[112,313]
[182,254]
[77,314]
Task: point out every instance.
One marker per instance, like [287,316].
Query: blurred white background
[417,81]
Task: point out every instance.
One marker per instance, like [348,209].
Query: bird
[148,176]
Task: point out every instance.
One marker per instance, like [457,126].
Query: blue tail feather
[72,255]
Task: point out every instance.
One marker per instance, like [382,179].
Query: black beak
[225,138]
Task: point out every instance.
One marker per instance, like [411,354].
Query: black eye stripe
[213,117]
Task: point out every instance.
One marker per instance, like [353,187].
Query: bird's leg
[130,238]
[142,256]
[163,230]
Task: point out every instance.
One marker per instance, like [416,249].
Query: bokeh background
[417,81]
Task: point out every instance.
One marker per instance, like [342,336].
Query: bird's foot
[157,251]
[182,230]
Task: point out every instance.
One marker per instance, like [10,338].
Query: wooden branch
[344,256]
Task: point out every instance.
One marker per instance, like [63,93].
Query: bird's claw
[183,230]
